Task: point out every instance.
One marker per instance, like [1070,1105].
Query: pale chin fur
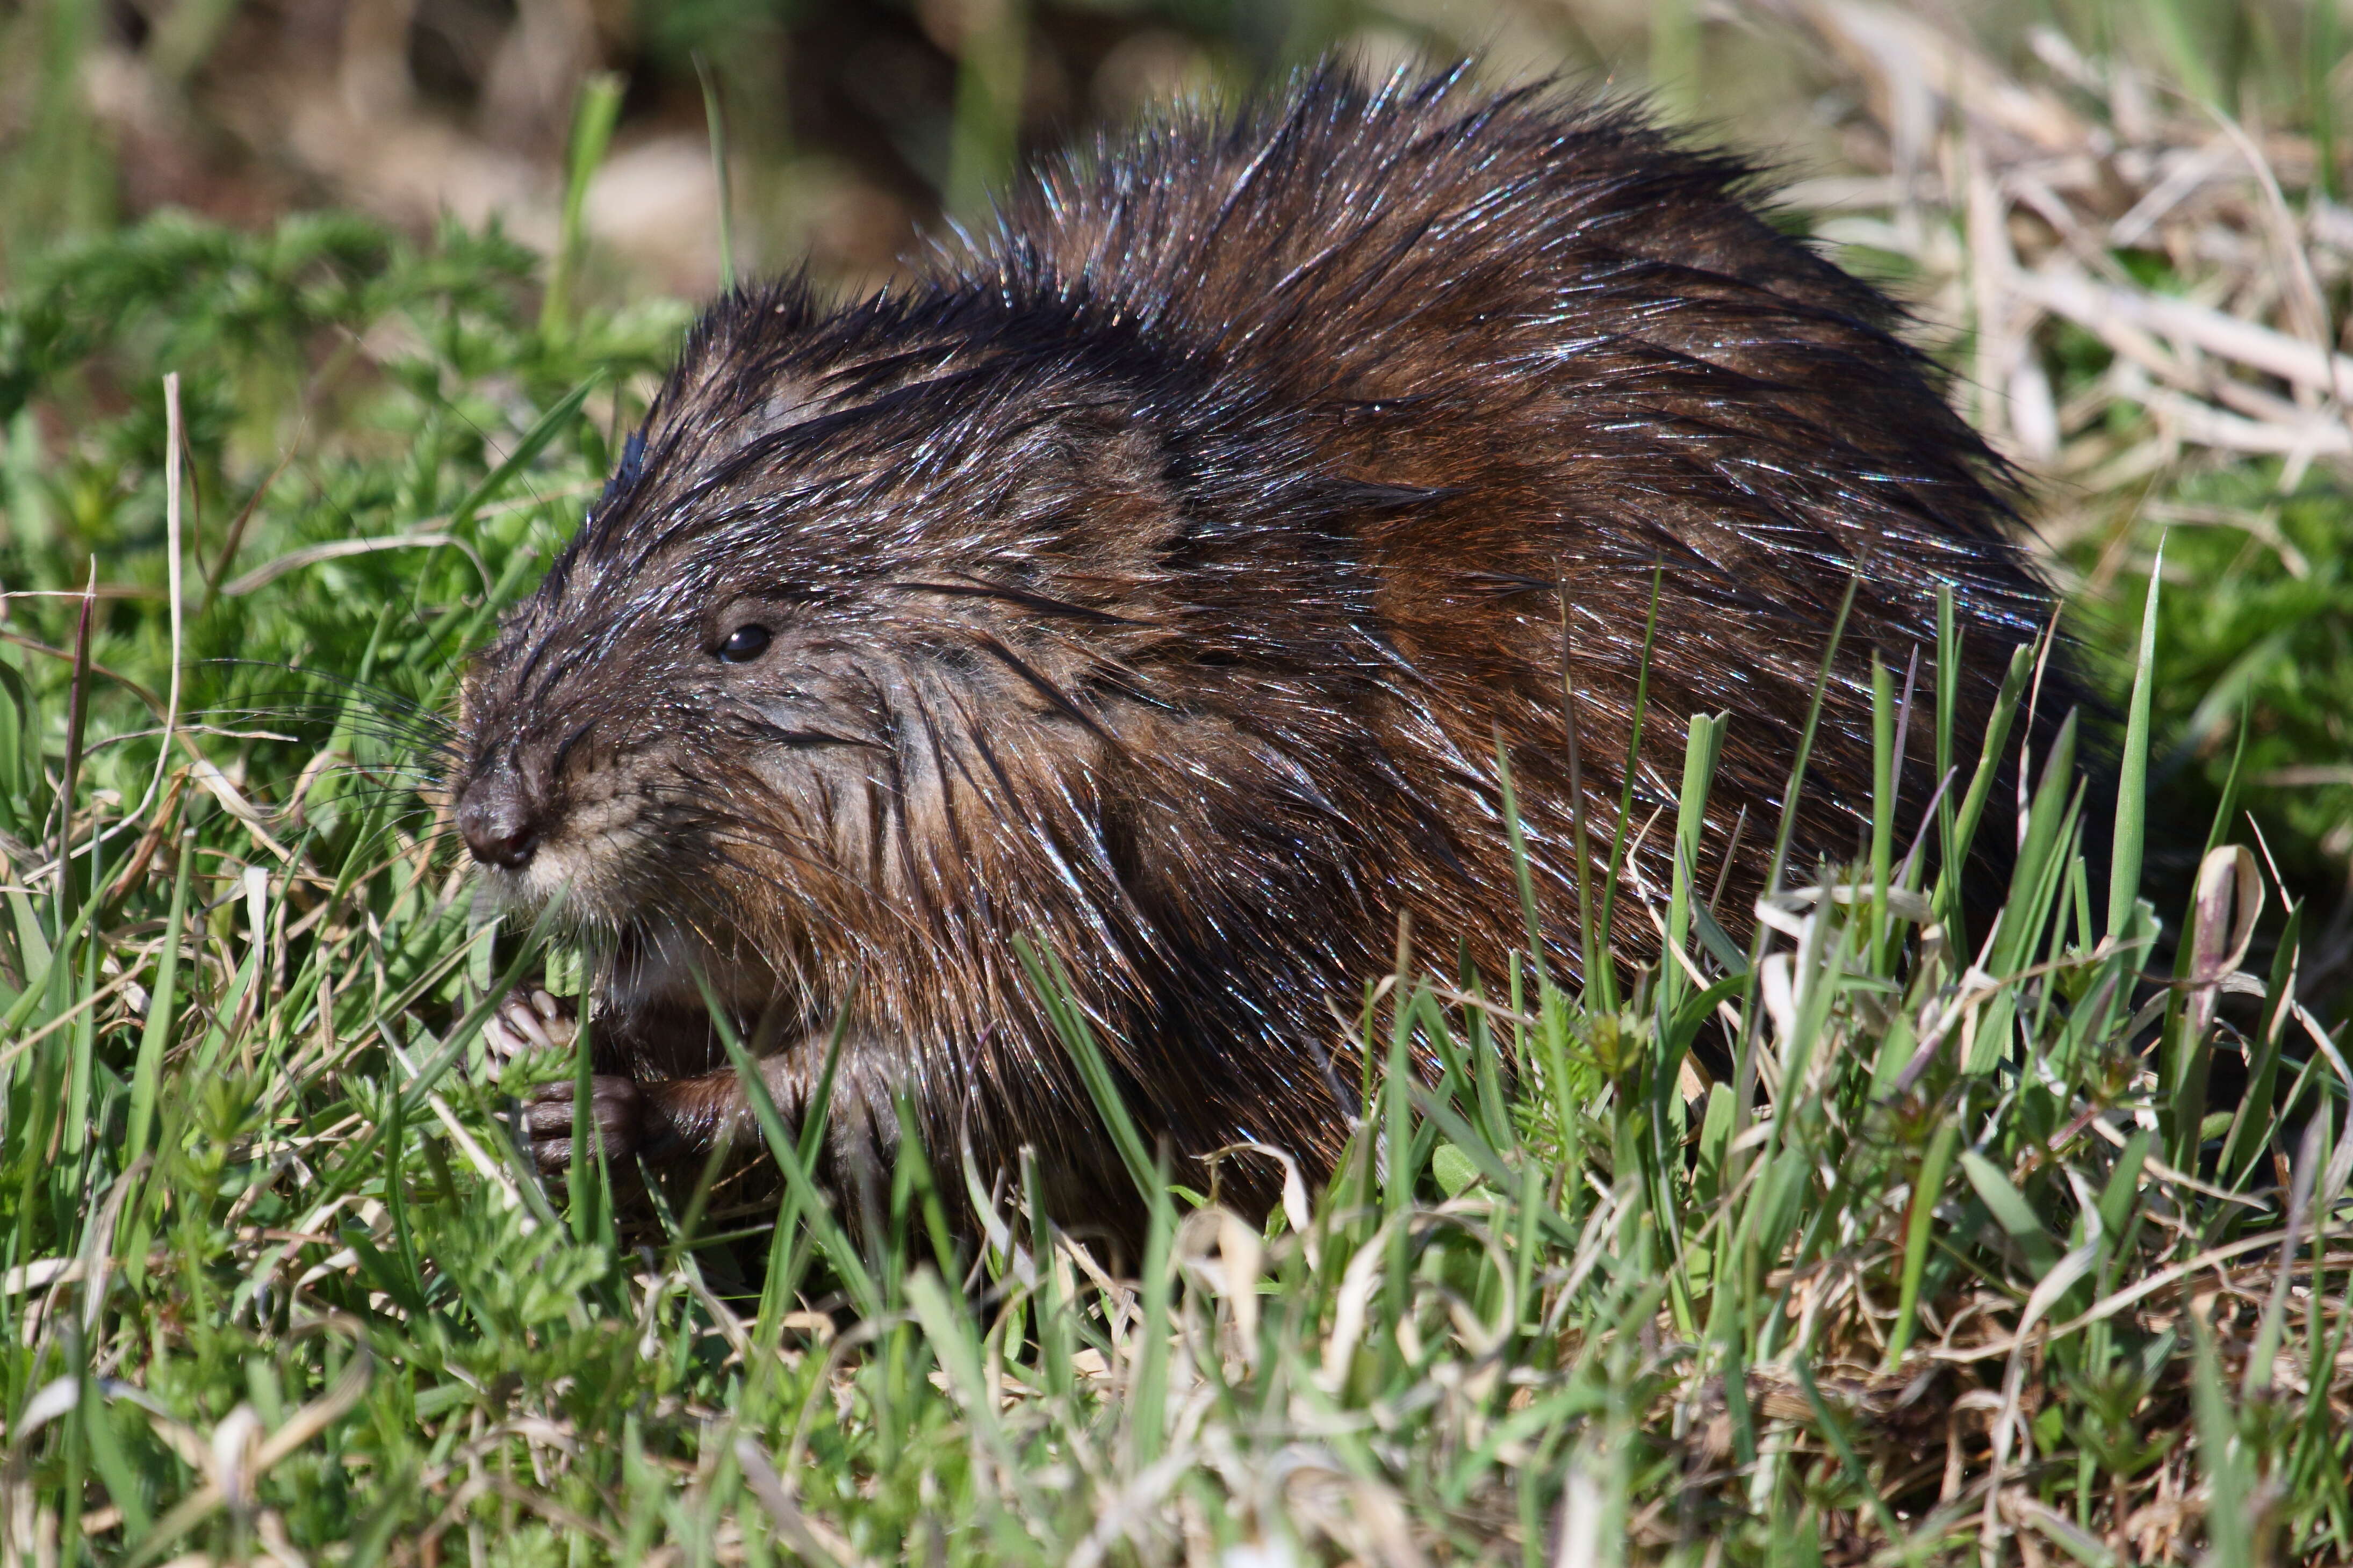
[552,879]
[661,959]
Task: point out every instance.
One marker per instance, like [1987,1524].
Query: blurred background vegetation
[854,124]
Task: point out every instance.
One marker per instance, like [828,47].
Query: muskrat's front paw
[533,1022]
[616,1107]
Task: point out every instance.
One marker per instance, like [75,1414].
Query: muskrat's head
[853,649]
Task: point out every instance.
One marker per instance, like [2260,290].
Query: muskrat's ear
[730,387]
[1093,492]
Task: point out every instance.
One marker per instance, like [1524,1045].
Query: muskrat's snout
[498,823]
[544,815]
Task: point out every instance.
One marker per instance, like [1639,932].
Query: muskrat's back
[1158,581]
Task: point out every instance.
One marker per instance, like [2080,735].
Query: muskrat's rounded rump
[1156,581]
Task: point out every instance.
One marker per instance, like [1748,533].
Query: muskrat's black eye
[745,644]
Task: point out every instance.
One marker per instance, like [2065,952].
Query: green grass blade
[2132,767]
[1788,826]
[1949,698]
[1973,804]
[2230,1486]
[595,112]
[1515,840]
[992,70]
[545,428]
[715,120]
[2011,1212]
[2255,1122]
[1928,1186]
[815,1211]
[162,1008]
[1704,743]
[1051,983]
[1607,980]
[1147,1394]
[1834,1431]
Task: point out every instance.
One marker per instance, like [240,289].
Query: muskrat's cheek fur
[1157,580]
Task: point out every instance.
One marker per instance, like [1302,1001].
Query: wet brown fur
[1155,580]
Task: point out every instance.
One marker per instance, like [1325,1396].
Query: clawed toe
[536,1022]
[615,1111]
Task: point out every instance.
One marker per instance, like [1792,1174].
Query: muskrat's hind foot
[616,1108]
[663,1120]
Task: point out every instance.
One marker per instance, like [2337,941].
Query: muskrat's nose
[496,824]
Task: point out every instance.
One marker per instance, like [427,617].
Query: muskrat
[1157,576]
